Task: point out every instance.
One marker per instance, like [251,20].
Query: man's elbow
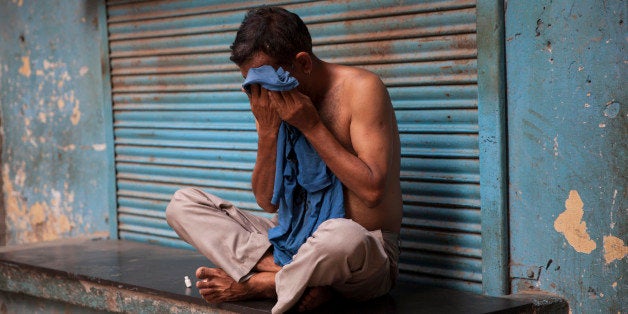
[267,206]
[374,197]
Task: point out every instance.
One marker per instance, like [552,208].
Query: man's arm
[371,133]
[267,124]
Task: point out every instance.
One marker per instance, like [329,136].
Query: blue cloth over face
[305,190]
[268,78]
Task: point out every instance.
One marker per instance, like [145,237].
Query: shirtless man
[346,115]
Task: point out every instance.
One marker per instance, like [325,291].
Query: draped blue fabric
[305,190]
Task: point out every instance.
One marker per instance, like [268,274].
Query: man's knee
[340,238]
[176,207]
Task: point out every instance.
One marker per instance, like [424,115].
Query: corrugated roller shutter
[181,120]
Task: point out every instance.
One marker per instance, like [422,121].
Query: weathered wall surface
[568,132]
[54,151]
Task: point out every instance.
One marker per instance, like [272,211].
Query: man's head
[274,31]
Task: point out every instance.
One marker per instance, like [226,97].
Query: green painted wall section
[567,126]
[55,150]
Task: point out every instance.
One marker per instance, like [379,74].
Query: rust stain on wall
[570,224]
[614,249]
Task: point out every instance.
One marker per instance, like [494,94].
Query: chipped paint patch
[63,224]
[28,136]
[99,147]
[612,109]
[37,214]
[67,148]
[614,249]
[570,224]
[83,70]
[12,200]
[52,65]
[41,221]
[42,117]
[20,175]
[25,69]
[76,114]
[613,209]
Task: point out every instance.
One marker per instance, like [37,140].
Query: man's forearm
[263,179]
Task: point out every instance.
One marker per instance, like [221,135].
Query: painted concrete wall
[568,132]
[54,152]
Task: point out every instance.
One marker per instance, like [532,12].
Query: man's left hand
[295,108]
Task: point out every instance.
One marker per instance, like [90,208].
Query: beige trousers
[359,264]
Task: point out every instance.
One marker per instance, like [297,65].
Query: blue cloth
[305,190]
[270,79]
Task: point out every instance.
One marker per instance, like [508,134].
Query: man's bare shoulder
[359,77]
[361,85]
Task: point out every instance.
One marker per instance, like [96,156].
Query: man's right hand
[267,122]
[267,118]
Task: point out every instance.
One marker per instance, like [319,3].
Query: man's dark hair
[278,33]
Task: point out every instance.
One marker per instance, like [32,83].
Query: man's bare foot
[216,286]
[267,263]
[314,297]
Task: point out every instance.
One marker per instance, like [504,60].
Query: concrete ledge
[89,295]
[22,303]
[99,276]
[541,302]
[113,276]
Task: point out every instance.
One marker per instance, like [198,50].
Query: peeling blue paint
[566,74]
[54,148]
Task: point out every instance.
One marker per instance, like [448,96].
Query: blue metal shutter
[181,120]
